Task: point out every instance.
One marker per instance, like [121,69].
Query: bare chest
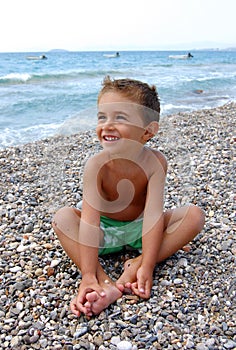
[123,180]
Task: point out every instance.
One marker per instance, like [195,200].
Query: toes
[120,286]
[92,297]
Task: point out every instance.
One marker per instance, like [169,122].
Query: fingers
[96,288]
[142,286]
[82,303]
[144,283]
[128,285]
[143,290]
[128,288]
[124,288]
[74,308]
[78,306]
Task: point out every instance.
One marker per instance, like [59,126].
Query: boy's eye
[101,117]
[121,117]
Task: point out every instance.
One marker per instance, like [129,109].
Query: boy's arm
[89,236]
[89,231]
[153,227]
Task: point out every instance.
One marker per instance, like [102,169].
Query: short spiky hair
[138,92]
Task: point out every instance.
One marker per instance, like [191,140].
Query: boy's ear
[151,130]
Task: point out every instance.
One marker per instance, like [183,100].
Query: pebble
[124,345]
[15,269]
[81,331]
[55,262]
[177,281]
[193,295]
[201,346]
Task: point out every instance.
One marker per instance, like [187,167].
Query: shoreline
[162,118]
[191,306]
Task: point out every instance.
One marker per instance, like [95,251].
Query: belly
[129,213]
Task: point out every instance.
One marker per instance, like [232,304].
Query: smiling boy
[123,199]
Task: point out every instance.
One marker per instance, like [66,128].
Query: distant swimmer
[181,57]
[41,57]
[113,55]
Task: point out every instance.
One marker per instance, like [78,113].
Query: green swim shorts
[118,234]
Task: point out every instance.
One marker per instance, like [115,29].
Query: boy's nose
[108,126]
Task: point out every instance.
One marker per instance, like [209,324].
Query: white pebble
[124,345]
[43,300]
[200,318]
[55,262]
[15,269]
[22,248]
[215,300]
[177,281]
[19,305]
[183,262]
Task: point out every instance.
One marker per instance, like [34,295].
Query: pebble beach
[192,305]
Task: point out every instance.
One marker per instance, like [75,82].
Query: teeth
[111,138]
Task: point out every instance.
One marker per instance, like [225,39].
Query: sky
[84,25]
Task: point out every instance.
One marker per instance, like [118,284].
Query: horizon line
[229,48]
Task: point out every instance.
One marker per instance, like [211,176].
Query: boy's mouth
[110,138]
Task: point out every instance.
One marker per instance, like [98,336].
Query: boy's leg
[66,225]
[181,225]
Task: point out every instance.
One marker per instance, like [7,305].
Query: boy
[123,201]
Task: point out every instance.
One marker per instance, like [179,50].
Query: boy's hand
[88,284]
[143,286]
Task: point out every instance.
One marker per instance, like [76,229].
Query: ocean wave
[20,78]
[83,75]
[81,121]
[171,108]
[15,137]
[15,78]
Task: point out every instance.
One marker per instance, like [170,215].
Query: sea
[57,95]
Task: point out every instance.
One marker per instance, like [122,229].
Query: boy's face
[119,119]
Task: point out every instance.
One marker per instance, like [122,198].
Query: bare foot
[129,275]
[96,304]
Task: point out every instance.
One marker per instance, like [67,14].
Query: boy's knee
[60,214]
[198,216]
[63,210]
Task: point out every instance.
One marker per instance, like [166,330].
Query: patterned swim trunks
[118,234]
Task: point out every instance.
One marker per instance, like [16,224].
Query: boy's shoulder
[97,160]
[159,156]
[98,157]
